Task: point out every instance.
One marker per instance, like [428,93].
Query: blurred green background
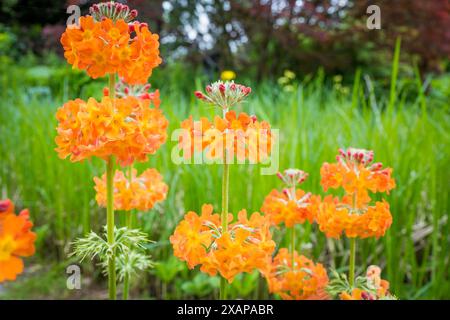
[317,73]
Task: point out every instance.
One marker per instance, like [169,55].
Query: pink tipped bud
[145,96]
[341,152]
[248,90]
[133,13]
[4,205]
[280,176]
[222,88]
[147,86]
[95,8]
[106,92]
[286,192]
[126,90]
[233,86]
[119,7]
[199,95]
[338,158]
[253,118]
[143,25]
[131,27]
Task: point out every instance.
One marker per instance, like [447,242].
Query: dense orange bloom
[245,246]
[242,136]
[16,240]
[139,192]
[335,217]
[379,288]
[281,207]
[304,281]
[126,128]
[356,175]
[107,46]
[353,214]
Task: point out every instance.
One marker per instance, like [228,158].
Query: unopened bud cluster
[224,94]
[292,177]
[112,10]
[353,156]
[139,91]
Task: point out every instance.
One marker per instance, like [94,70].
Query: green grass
[408,131]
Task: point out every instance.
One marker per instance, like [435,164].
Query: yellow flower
[228,75]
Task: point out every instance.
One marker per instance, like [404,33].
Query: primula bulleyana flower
[126,128]
[282,207]
[303,281]
[110,45]
[353,215]
[138,192]
[378,288]
[291,206]
[241,136]
[335,217]
[245,246]
[16,240]
[355,173]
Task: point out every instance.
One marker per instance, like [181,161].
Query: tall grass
[408,134]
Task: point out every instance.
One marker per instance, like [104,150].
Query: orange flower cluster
[291,206]
[356,176]
[245,246]
[126,128]
[279,207]
[379,288]
[112,46]
[335,217]
[353,214]
[240,135]
[16,240]
[303,281]
[138,192]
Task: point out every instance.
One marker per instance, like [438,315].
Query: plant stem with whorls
[224,217]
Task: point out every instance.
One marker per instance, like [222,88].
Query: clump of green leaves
[128,248]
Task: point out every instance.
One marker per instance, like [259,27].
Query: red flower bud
[126,90]
[106,92]
[4,205]
[133,13]
[208,89]
[145,96]
[199,95]
[222,88]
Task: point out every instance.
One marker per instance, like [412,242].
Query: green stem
[128,224]
[224,217]
[110,226]
[110,207]
[293,246]
[351,275]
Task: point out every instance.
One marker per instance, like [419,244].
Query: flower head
[336,217]
[126,128]
[246,245]
[304,280]
[355,173]
[135,192]
[241,136]
[16,240]
[106,43]
[224,94]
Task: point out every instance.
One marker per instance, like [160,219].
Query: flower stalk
[224,217]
